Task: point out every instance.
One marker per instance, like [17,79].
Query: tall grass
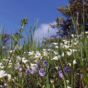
[62,63]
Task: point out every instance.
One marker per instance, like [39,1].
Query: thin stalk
[65,84]
[83,18]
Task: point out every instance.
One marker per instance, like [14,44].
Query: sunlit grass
[60,64]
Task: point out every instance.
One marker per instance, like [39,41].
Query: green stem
[65,84]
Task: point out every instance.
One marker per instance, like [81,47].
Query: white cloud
[44,31]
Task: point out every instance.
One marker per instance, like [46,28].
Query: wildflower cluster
[58,65]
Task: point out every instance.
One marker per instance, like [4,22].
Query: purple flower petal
[28,71]
[42,72]
[46,63]
[60,73]
[66,69]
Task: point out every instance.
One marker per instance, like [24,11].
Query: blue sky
[12,11]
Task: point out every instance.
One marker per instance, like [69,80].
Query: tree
[77,10]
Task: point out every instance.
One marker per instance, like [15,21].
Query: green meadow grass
[62,63]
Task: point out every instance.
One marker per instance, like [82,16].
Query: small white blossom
[69,87]
[24,60]
[56,57]
[38,54]
[69,64]
[75,43]
[34,67]
[66,46]
[17,65]
[49,50]
[10,51]
[9,76]
[2,74]
[18,58]
[31,53]
[67,81]
[9,64]
[56,53]
[74,62]
[72,35]
[44,50]
[56,47]
[65,41]
[55,43]
[73,50]
[69,53]
[86,32]
[45,53]
[62,54]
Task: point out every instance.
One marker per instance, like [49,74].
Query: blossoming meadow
[60,61]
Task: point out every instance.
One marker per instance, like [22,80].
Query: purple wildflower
[60,73]
[42,72]
[46,63]
[28,71]
[32,72]
[20,69]
[80,75]
[66,69]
